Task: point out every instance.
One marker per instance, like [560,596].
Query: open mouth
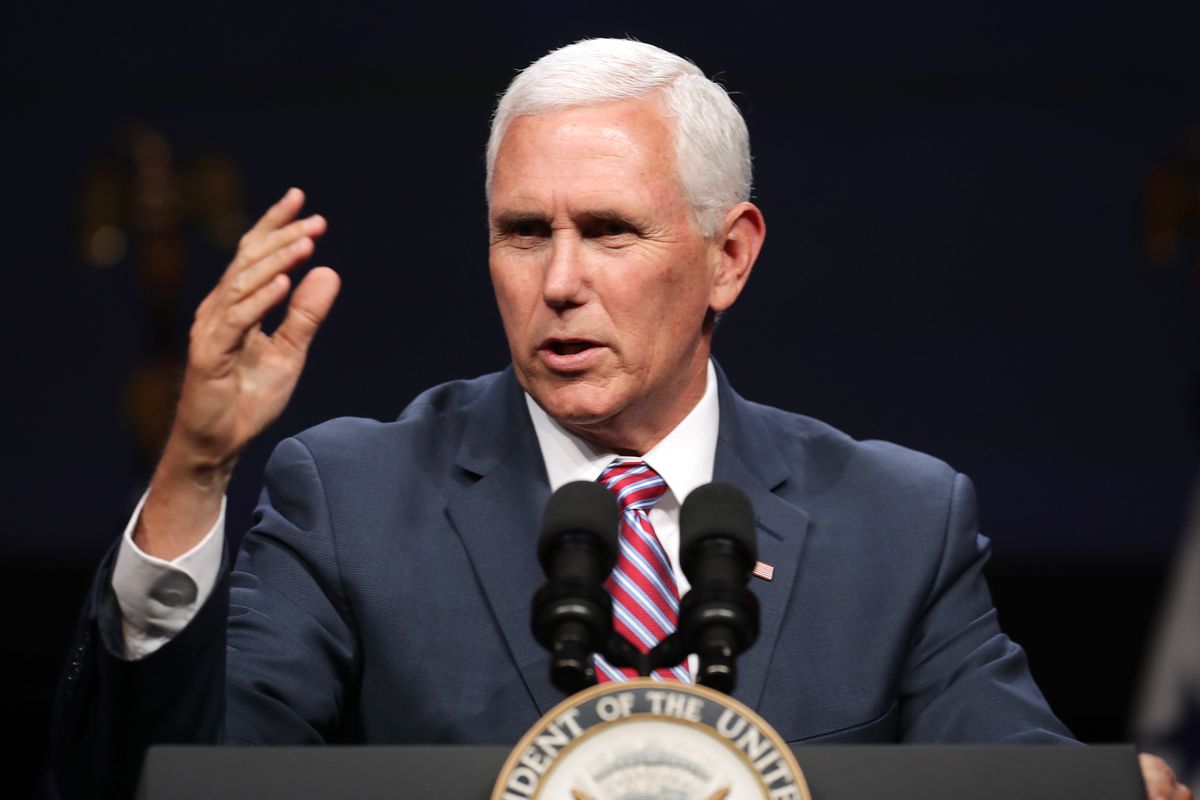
[569,355]
[570,348]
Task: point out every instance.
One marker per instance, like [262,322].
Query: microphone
[718,618]
[572,612]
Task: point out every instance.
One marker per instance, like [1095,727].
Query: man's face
[602,277]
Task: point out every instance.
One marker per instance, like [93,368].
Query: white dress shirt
[158,598]
[684,459]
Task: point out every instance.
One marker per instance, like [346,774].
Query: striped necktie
[642,585]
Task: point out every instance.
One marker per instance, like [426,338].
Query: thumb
[309,307]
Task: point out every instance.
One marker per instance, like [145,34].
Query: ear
[735,249]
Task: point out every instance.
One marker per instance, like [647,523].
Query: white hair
[712,146]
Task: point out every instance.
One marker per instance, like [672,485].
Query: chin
[577,404]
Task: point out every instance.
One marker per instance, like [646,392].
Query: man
[383,593]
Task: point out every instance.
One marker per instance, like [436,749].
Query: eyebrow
[607,215]
[508,220]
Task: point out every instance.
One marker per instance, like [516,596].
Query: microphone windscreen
[722,510]
[580,506]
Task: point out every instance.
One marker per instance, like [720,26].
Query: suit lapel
[748,457]
[498,517]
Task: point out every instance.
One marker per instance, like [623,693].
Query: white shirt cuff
[158,598]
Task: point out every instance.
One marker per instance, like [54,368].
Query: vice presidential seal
[651,740]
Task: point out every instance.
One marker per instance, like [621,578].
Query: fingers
[1160,780]
[227,314]
[276,229]
[243,317]
[308,308]
[252,267]
[254,282]
[256,248]
[240,285]
[284,210]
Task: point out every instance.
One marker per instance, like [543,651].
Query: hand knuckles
[198,358]
[201,328]
[309,320]
[238,318]
[210,302]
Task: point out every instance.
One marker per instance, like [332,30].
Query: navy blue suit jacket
[383,594]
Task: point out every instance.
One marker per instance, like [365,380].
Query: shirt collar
[684,458]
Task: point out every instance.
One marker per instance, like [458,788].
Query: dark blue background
[954,201]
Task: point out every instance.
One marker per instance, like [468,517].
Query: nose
[564,284]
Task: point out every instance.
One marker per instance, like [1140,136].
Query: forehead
[623,147]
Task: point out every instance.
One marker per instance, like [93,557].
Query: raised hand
[238,377]
[1160,780]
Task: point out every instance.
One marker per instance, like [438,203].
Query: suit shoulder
[431,424]
[828,456]
[865,492]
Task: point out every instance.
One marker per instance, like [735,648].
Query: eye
[609,228]
[521,231]
[530,228]
[525,229]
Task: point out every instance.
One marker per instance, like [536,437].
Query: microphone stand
[715,622]
[669,652]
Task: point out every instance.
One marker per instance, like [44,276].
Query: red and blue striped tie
[642,585]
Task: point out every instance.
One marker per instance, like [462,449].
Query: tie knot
[634,483]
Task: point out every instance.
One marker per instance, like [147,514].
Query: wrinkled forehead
[618,145]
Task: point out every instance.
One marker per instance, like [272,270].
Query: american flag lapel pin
[763,570]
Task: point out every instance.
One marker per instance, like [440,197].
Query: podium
[833,772]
